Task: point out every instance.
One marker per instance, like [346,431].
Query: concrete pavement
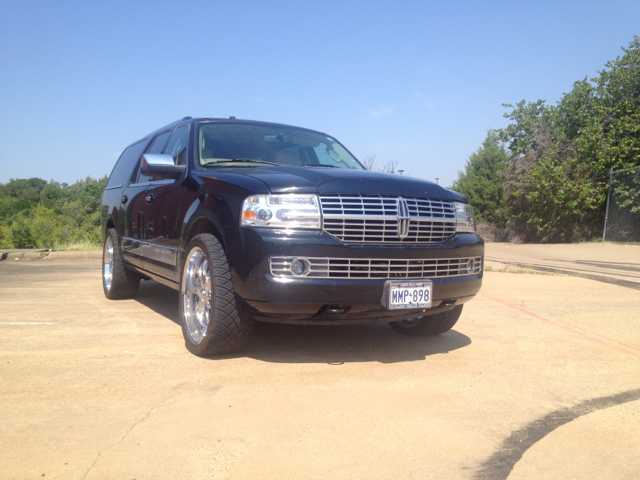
[539,379]
[607,262]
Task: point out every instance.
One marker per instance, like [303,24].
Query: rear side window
[125,164]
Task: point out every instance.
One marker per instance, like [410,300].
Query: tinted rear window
[127,161]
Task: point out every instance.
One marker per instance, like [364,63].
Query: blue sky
[417,81]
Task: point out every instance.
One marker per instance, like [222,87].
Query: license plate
[410,295]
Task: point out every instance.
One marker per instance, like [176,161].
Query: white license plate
[410,294]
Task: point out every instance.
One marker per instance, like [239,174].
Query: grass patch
[77,246]
[600,242]
[514,269]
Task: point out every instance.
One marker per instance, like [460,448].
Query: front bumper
[338,300]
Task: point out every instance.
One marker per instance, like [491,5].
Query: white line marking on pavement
[27,323]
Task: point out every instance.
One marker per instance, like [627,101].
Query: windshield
[250,144]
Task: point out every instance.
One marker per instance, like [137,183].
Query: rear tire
[213,320]
[429,325]
[117,282]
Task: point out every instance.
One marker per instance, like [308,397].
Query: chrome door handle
[149,199]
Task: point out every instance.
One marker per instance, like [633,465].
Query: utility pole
[606,215]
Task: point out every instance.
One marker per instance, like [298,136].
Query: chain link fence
[622,222]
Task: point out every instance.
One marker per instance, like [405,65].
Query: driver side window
[177,147]
[156,147]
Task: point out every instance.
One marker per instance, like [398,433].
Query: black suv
[254,221]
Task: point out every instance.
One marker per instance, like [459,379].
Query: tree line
[544,178]
[35,213]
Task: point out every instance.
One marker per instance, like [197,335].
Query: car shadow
[159,298]
[334,345]
[340,344]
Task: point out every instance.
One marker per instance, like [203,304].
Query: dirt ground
[539,379]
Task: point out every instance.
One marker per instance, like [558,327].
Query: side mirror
[161,166]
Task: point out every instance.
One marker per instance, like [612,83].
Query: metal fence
[622,222]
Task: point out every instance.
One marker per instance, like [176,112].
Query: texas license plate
[410,294]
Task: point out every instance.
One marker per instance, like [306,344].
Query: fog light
[300,267]
[471,265]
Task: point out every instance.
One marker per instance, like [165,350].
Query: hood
[334,180]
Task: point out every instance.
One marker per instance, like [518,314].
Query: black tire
[228,326]
[429,325]
[123,283]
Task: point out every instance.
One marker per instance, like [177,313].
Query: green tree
[40,228]
[482,180]
[39,214]
[560,156]
[24,189]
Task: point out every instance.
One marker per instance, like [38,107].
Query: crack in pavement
[131,429]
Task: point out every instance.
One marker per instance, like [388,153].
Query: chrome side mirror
[161,166]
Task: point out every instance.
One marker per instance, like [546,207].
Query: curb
[51,255]
[589,276]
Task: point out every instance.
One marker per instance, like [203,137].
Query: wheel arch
[106,224]
[204,222]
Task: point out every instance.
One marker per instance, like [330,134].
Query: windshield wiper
[243,160]
[320,165]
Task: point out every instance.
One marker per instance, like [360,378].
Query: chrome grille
[374,219]
[419,207]
[378,268]
[357,205]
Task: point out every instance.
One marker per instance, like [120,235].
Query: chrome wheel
[107,263]
[196,295]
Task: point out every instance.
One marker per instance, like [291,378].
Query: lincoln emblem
[403,218]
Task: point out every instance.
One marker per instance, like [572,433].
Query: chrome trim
[152,183]
[162,182]
[368,230]
[156,159]
[378,219]
[153,251]
[344,205]
[160,254]
[113,188]
[403,218]
[150,243]
[388,268]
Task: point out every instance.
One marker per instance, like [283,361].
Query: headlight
[281,211]
[465,217]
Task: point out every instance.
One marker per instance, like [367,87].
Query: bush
[40,228]
[39,214]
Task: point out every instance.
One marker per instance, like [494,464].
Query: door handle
[124,199]
[149,199]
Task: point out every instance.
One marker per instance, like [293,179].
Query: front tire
[429,325]
[213,321]
[117,282]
